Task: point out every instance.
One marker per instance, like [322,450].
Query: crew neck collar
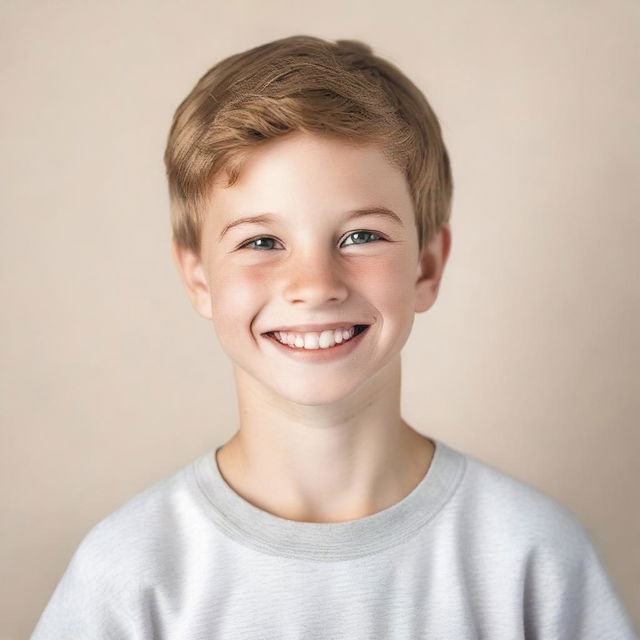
[327,541]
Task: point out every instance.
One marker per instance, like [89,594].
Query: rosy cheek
[379,281]
[236,297]
[238,282]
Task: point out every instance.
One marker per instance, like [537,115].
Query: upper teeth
[315,339]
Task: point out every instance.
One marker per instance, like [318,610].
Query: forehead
[308,174]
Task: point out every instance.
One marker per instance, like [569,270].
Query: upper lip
[318,327]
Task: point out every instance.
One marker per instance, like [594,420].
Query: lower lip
[320,355]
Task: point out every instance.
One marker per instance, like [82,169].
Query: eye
[260,240]
[360,236]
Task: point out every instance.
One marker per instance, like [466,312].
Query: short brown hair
[303,83]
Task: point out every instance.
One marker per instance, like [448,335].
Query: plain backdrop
[529,359]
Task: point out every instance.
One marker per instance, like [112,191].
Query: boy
[311,195]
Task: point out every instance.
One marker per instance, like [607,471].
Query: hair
[303,83]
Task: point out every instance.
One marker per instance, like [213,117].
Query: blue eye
[359,238]
[362,233]
[255,240]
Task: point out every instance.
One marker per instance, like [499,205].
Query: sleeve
[570,595]
[95,598]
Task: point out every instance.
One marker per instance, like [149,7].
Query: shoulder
[520,535]
[105,585]
[516,514]
[123,545]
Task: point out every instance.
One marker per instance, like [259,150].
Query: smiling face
[334,243]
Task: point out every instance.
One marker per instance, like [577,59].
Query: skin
[317,442]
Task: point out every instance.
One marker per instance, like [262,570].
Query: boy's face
[313,263]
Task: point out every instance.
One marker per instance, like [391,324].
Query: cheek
[388,283]
[235,298]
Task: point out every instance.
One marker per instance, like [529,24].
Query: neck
[308,464]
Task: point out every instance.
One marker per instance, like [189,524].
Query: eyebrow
[381,212]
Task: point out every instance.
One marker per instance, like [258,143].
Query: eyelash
[371,233]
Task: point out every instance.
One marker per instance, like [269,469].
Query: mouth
[316,350]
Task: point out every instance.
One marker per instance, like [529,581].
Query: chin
[314,396]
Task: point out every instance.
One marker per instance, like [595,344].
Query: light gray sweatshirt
[470,553]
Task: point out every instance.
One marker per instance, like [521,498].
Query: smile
[318,340]
[319,346]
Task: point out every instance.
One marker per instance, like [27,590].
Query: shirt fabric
[470,553]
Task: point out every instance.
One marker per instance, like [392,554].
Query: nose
[314,280]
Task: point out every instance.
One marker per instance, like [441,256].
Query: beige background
[529,359]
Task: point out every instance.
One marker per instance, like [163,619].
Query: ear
[194,278]
[431,263]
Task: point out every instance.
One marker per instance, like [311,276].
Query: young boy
[311,195]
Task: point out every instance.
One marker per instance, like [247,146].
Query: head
[309,132]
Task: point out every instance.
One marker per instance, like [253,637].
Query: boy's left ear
[431,263]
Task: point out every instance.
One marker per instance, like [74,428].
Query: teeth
[311,341]
[325,340]
[315,339]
